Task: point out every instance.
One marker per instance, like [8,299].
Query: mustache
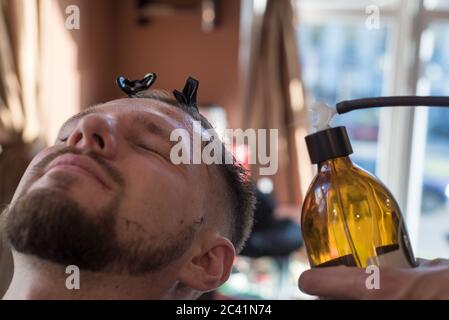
[111,171]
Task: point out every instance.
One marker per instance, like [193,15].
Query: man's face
[107,196]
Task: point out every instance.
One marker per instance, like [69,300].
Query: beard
[50,225]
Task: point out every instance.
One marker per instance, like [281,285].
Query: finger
[420,262]
[334,282]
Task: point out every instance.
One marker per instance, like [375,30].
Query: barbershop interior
[261,64]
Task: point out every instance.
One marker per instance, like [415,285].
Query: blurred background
[260,63]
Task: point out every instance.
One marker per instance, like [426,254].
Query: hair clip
[188,94]
[133,87]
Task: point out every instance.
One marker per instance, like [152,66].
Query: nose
[95,132]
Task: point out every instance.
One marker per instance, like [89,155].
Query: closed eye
[144,147]
[151,150]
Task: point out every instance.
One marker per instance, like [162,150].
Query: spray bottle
[349,217]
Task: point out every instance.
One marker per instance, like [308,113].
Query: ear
[210,267]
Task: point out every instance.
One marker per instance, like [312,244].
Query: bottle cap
[328,144]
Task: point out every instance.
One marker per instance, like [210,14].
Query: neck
[37,279]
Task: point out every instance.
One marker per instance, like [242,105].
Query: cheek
[158,199]
[32,173]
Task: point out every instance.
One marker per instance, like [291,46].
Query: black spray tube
[396,101]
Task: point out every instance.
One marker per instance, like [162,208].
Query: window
[344,61]
[436,5]
[433,238]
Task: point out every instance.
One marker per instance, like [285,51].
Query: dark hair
[240,189]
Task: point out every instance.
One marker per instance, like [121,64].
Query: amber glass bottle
[349,217]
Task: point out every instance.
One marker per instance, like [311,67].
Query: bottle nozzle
[322,115]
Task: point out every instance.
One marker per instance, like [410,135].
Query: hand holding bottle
[429,280]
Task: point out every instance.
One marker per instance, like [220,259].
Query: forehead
[124,108]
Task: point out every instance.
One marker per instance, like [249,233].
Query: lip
[80,164]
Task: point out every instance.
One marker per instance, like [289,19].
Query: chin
[51,226]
